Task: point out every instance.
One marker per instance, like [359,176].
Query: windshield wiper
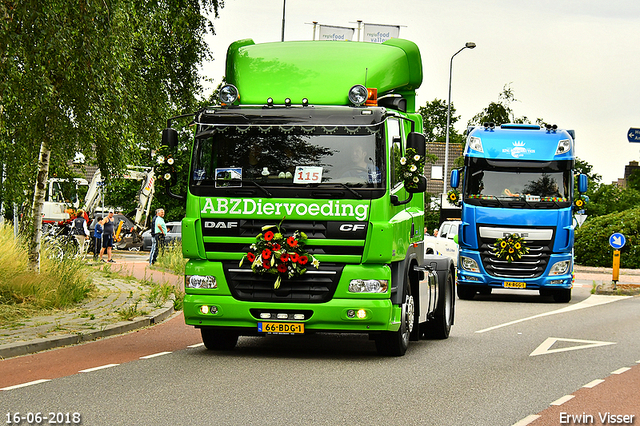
[257,185]
[343,185]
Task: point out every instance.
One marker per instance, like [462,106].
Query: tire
[439,326]
[466,292]
[562,295]
[219,340]
[395,343]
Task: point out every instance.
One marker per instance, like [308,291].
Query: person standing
[80,231]
[97,237]
[107,237]
[159,232]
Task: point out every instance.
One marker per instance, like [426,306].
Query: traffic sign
[617,241]
[633,135]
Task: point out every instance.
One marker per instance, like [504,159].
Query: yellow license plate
[508,284]
[280,328]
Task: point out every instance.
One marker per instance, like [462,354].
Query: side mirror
[418,142]
[455,178]
[421,186]
[170,138]
[582,183]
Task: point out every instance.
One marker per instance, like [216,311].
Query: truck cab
[305,203]
[517,227]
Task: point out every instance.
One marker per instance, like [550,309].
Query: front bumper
[545,281]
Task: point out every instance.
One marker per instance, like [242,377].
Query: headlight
[563,146]
[560,268]
[368,286]
[469,264]
[358,94]
[200,281]
[229,94]
[475,144]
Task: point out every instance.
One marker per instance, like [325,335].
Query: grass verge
[61,283]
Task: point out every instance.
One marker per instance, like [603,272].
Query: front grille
[354,233]
[314,286]
[531,265]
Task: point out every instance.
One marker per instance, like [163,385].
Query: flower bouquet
[510,248]
[411,168]
[454,197]
[274,253]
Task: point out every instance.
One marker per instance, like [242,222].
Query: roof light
[475,144]
[358,95]
[287,102]
[229,94]
[305,102]
[372,97]
[564,146]
[270,101]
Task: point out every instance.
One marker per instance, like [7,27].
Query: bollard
[616,267]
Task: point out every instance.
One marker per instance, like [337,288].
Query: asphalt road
[509,356]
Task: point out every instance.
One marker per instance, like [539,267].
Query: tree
[500,112]
[434,117]
[93,77]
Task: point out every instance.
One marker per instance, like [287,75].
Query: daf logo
[220,225]
[348,227]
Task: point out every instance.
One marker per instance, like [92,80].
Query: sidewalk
[125,291]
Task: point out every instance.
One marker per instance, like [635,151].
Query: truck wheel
[562,296]
[219,340]
[395,343]
[466,292]
[439,326]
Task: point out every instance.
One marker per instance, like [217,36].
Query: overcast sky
[573,63]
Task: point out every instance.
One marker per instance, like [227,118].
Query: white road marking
[562,400]
[154,355]
[545,347]
[35,382]
[621,370]
[527,420]
[89,370]
[593,300]
[593,383]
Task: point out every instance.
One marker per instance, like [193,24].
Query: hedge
[592,240]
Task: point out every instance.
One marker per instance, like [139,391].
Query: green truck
[305,202]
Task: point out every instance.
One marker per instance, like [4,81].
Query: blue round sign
[617,240]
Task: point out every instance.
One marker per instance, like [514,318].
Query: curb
[10,350]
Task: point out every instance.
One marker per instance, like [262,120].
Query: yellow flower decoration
[510,248]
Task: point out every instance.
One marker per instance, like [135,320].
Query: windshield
[288,156]
[530,186]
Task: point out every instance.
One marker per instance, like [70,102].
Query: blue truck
[518,199]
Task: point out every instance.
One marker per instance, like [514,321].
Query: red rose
[303,260]
[268,235]
[282,268]
[266,254]
[294,257]
[251,257]
[292,242]
[284,257]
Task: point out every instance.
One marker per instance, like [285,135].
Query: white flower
[415,179]
[413,168]
[416,157]
[403,161]
[315,262]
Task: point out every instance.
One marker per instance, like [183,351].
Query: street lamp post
[468,45]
